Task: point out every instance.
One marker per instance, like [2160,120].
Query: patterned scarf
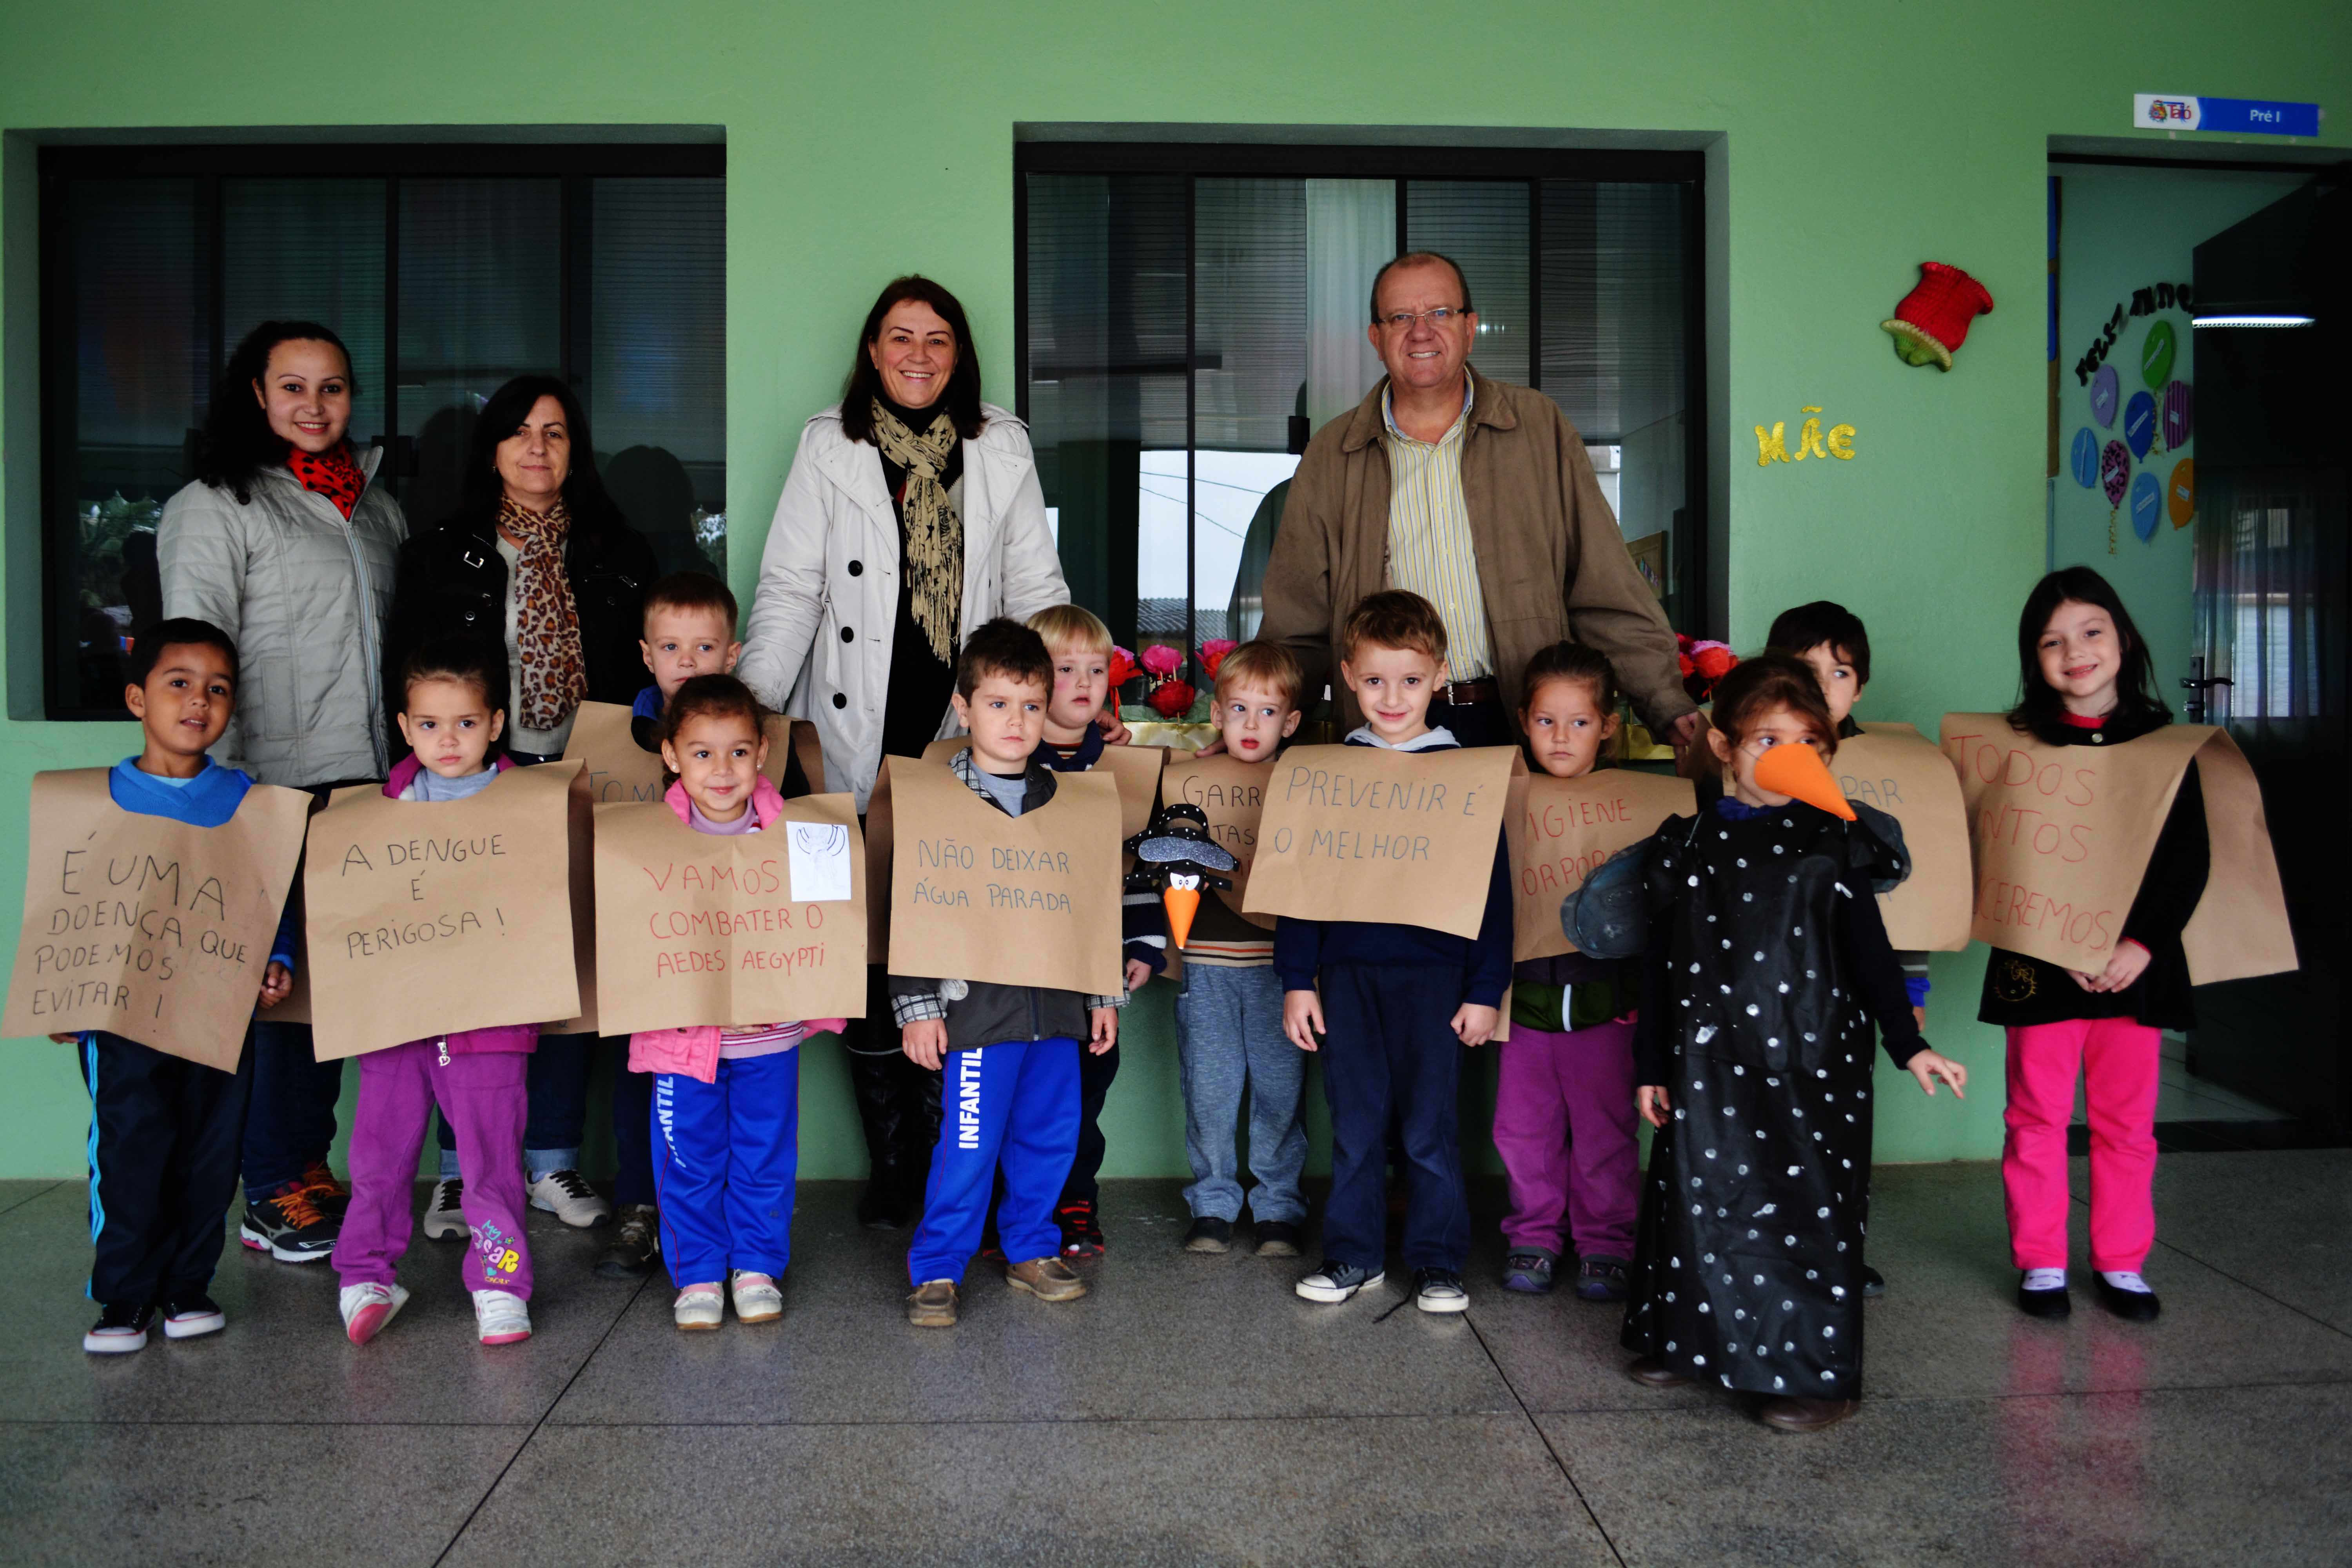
[333,473]
[934,563]
[547,622]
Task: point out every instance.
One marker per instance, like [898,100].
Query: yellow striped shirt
[1430,550]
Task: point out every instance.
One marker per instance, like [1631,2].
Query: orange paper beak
[1182,903]
[1798,772]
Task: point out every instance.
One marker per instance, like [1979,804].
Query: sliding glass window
[446,270]
[1189,315]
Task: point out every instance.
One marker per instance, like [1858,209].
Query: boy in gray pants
[1229,1014]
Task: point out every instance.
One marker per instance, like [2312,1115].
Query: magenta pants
[1564,1125]
[2118,1061]
[482,1095]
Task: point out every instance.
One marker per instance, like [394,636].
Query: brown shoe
[1787,1415]
[1652,1373]
[932,1305]
[1047,1279]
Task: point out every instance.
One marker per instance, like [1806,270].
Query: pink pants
[482,1095]
[1564,1125]
[2118,1061]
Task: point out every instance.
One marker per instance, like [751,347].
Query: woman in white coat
[912,512]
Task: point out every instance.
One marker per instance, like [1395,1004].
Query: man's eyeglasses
[1440,318]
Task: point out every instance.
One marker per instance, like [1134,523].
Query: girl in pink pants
[2087,682]
[1564,1090]
[453,707]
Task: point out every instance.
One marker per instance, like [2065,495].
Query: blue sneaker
[1528,1269]
[1335,1282]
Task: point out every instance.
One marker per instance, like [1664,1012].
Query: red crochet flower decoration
[1173,699]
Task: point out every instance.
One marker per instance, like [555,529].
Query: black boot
[878,1084]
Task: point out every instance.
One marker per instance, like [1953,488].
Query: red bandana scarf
[333,473]
[547,621]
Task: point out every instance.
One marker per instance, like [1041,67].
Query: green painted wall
[1855,141]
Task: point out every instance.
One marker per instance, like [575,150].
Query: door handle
[2198,683]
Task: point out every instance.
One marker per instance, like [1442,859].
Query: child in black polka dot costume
[1767,964]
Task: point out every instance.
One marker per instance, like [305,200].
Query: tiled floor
[1193,1411]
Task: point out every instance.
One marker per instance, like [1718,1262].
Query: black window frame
[575,164]
[1694,562]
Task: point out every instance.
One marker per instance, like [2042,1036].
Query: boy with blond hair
[1401,1001]
[1079,646]
[1229,1014]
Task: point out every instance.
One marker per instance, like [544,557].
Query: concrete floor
[1191,1410]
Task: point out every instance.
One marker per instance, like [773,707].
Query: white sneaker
[699,1307]
[445,1216]
[757,1298]
[502,1317]
[567,1195]
[368,1308]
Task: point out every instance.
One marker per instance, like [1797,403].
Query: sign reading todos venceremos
[145,926]
[2061,836]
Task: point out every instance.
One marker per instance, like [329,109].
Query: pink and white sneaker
[368,1308]
[502,1317]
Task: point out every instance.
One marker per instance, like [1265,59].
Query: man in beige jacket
[1478,496]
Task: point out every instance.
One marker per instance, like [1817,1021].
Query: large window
[1190,314]
[448,271]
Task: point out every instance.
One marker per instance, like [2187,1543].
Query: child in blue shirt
[166,1133]
[1402,1002]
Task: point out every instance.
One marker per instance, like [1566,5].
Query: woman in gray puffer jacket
[284,544]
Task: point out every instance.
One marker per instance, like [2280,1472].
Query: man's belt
[1468,693]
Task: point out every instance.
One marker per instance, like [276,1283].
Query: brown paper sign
[1231,795]
[1360,833]
[2062,834]
[145,926]
[978,895]
[1566,829]
[429,917]
[618,769]
[700,928]
[1137,769]
[1893,767]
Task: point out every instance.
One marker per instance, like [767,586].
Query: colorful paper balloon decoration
[2105,388]
[2086,457]
[2180,410]
[2115,471]
[2155,352]
[2146,505]
[2180,494]
[2139,423]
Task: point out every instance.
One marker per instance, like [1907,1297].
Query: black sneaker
[119,1331]
[1082,1235]
[1874,1283]
[1439,1291]
[1335,1282]
[1279,1238]
[287,1225]
[191,1315]
[1601,1278]
[1210,1234]
[637,1241]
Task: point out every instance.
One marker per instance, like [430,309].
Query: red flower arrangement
[1703,663]
[1212,654]
[1171,700]
[1122,667]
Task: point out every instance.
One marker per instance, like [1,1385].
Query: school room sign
[148,928]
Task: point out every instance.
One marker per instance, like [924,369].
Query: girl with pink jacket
[726,1111]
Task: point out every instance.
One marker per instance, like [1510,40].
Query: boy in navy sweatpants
[167,1134]
[1010,1052]
[1397,1004]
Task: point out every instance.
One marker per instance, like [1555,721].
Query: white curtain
[1350,231]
